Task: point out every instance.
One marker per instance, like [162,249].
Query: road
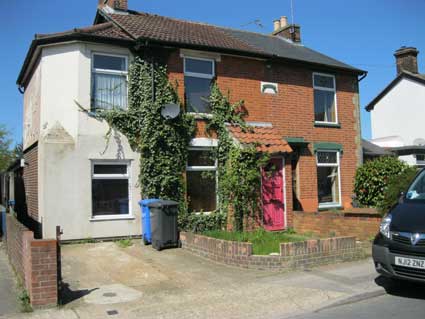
[401,300]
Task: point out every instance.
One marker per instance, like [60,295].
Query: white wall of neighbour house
[400,114]
[32,99]
[70,140]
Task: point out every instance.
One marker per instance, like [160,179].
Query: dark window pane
[110,197]
[107,62]
[201,191]
[110,169]
[326,157]
[420,157]
[324,106]
[200,158]
[324,81]
[199,66]
[197,92]
[328,184]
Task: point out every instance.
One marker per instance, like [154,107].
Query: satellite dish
[170,111]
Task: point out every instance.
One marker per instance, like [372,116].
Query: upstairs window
[198,75]
[109,82]
[328,180]
[325,110]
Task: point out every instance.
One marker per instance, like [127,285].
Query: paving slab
[8,291]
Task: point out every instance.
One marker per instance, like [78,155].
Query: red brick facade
[35,263]
[291,112]
[31,181]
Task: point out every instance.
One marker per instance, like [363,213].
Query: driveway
[8,291]
[139,282]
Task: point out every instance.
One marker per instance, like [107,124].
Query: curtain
[109,91]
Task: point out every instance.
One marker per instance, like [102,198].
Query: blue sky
[363,33]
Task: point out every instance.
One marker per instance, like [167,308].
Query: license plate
[410,262]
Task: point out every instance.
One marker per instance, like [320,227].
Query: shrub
[201,222]
[372,179]
[396,184]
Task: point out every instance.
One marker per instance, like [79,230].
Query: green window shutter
[327,146]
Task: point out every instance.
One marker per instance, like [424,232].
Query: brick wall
[291,112]
[31,181]
[35,262]
[360,224]
[292,255]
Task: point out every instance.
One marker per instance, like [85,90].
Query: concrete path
[105,281]
[8,292]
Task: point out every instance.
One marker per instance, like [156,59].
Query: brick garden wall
[292,255]
[361,224]
[34,261]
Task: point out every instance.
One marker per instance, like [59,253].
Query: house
[302,105]
[397,111]
[372,151]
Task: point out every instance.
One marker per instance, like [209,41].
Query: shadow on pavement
[401,288]
[68,295]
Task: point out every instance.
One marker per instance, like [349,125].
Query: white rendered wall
[70,141]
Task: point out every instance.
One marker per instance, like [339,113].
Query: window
[201,180]
[416,190]
[420,159]
[109,81]
[328,180]
[325,110]
[110,189]
[198,75]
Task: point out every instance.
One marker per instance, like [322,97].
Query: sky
[362,33]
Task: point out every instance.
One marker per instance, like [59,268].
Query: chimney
[406,59]
[285,30]
[114,4]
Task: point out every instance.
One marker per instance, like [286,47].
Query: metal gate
[59,263]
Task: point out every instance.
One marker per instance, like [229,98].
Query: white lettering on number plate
[410,262]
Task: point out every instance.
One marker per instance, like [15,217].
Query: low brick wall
[360,223]
[292,255]
[34,261]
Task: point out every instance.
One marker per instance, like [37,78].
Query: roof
[403,75]
[265,139]
[408,150]
[128,28]
[372,149]
[174,31]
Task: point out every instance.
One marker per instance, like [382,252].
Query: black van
[399,248]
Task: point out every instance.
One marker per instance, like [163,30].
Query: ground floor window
[110,188]
[201,179]
[328,178]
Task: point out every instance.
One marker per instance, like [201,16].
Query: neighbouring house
[303,107]
[397,111]
[372,151]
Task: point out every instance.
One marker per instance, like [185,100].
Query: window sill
[111,218]
[201,116]
[329,207]
[326,124]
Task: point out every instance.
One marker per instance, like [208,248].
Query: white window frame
[317,87]
[107,71]
[337,164]
[205,168]
[199,75]
[126,176]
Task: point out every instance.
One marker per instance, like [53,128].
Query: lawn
[263,242]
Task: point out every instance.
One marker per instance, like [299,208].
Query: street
[401,300]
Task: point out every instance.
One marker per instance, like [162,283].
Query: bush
[201,222]
[372,179]
[396,184]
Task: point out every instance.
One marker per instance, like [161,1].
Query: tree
[6,154]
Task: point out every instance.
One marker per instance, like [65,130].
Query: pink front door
[272,195]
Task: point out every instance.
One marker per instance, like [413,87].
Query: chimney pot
[406,59]
[276,25]
[283,21]
[114,4]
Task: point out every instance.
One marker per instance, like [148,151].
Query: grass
[263,242]
[124,243]
[24,301]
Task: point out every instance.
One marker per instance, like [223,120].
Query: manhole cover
[112,312]
[109,294]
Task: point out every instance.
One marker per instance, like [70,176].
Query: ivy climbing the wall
[162,143]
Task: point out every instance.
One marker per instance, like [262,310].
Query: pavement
[8,291]
[103,280]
